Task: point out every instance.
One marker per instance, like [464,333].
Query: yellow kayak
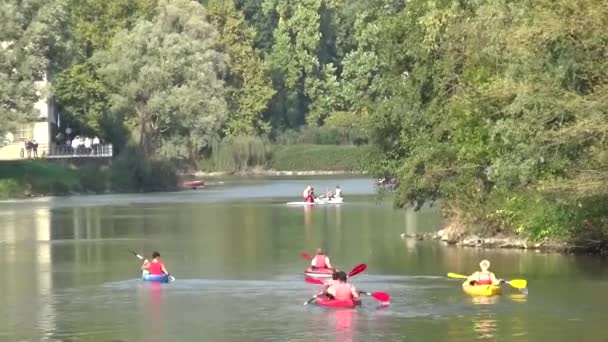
[482,290]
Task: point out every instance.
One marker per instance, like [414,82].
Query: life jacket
[484,278]
[342,291]
[155,268]
[310,198]
[320,261]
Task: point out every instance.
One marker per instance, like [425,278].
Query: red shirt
[155,267]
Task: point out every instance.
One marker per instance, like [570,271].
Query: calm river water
[234,249]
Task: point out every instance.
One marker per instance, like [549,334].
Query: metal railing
[95,151]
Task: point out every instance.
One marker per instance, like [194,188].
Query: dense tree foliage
[497,107]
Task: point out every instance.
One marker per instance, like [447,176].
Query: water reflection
[485,326]
[343,320]
[152,304]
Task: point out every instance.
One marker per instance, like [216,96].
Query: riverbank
[42,177]
[460,238]
[272,173]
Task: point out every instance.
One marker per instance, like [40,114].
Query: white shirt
[75,142]
[96,141]
[338,192]
[87,142]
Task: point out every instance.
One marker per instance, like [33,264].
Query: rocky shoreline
[591,247]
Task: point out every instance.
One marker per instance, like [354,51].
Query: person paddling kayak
[483,277]
[335,279]
[342,290]
[320,260]
[156,266]
[337,192]
[309,194]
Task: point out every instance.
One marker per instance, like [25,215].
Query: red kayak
[335,303]
[318,272]
[193,184]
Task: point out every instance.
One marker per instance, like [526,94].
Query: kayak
[158,278]
[482,290]
[335,303]
[318,272]
[193,184]
[319,201]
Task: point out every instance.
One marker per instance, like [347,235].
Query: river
[235,250]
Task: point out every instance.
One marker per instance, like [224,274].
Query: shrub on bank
[40,177]
[130,171]
[319,157]
[237,154]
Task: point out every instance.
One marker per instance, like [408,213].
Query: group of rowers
[309,194]
[338,288]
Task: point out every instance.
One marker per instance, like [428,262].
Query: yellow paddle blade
[457,276]
[518,283]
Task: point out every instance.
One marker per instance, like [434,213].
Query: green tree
[34,42]
[248,84]
[79,92]
[165,82]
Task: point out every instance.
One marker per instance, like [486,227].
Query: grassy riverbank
[23,178]
[255,156]
[35,177]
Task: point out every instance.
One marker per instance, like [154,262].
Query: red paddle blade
[313,281]
[357,269]
[381,296]
[306,256]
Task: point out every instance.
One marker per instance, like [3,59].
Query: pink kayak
[335,303]
[318,272]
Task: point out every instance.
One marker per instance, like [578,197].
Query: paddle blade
[518,283]
[357,269]
[137,255]
[306,256]
[457,276]
[313,281]
[381,296]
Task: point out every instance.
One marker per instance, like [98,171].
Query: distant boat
[195,184]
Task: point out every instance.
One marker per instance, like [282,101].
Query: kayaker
[338,192]
[328,193]
[306,192]
[320,260]
[342,290]
[335,279]
[154,267]
[311,196]
[483,277]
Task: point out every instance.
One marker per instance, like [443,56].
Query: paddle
[171,278]
[305,256]
[516,283]
[380,296]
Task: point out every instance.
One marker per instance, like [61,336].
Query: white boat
[319,201]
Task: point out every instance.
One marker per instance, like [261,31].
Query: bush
[9,188]
[131,171]
[323,135]
[319,157]
[41,177]
[236,154]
